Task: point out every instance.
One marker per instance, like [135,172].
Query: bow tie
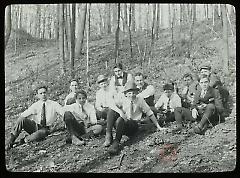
[119,77]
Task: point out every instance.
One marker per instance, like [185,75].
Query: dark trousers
[73,126]
[181,113]
[122,127]
[36,132]
[102,114]
[204,115]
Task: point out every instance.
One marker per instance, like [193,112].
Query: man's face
[139,81]
[205,72]
[131,95]
[73,86]
[188,80]
[117,72]
[103,84]
[81,99]
[168,92]
[204,83]
[42,94]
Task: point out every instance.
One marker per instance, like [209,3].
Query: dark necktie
[131,109]
[43,116]
[168,104]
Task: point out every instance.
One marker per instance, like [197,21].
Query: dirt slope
[214,151]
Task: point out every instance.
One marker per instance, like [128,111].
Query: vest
[124,80]
[149,100]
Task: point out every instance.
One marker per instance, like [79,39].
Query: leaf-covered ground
[149,151]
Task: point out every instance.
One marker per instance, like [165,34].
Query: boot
[177,129]
[10,142]
[114,148]
[108,140]
[77,141]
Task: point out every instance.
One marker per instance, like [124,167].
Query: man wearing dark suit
[206,106]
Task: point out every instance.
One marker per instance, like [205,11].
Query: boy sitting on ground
[167,102]
[80,119]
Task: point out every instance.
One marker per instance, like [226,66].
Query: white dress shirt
[35,110]
[87,116]
[175,101]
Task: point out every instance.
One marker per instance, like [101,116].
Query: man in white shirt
[38,120]
[125,117]
[168,101]
[145,91]
[102,98]
[80,118]
[71,98]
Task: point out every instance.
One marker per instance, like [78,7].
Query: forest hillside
[31,60]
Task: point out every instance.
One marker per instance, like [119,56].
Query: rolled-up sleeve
[145,108]
[159,102]
[149,91]
[30,111]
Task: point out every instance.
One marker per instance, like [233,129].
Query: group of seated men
[122,103]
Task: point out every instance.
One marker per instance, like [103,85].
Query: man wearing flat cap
[103,97]
[125,117]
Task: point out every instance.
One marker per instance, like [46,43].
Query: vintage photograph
[120,88]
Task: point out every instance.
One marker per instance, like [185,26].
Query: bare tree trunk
[72,54]
[129,30]
[133,17]
[108,18]
[8,24]
[158,20]
[101,27]
[66,33]
[87,67]
[80,33]
[191,36]
[125,17]
[117,35]
[57,23]
[225,52]
[61,38]
[139,17]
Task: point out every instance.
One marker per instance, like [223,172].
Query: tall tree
[225,51]
[72,54]
[129,31]
[117,35]
[125,18]
[8,24]
[61,38]
[157,21]
[133,17]
[80,32]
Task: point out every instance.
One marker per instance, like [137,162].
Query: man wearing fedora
[125,116]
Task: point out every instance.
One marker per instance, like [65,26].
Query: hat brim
[131,89]
[105,79]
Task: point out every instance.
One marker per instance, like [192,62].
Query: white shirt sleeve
[92,114]
[98,100]
[159,103]
[59,109]
[32,110]
[147,92]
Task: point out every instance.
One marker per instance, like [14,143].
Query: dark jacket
[212,96]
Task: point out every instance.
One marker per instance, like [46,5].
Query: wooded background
[73,25]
